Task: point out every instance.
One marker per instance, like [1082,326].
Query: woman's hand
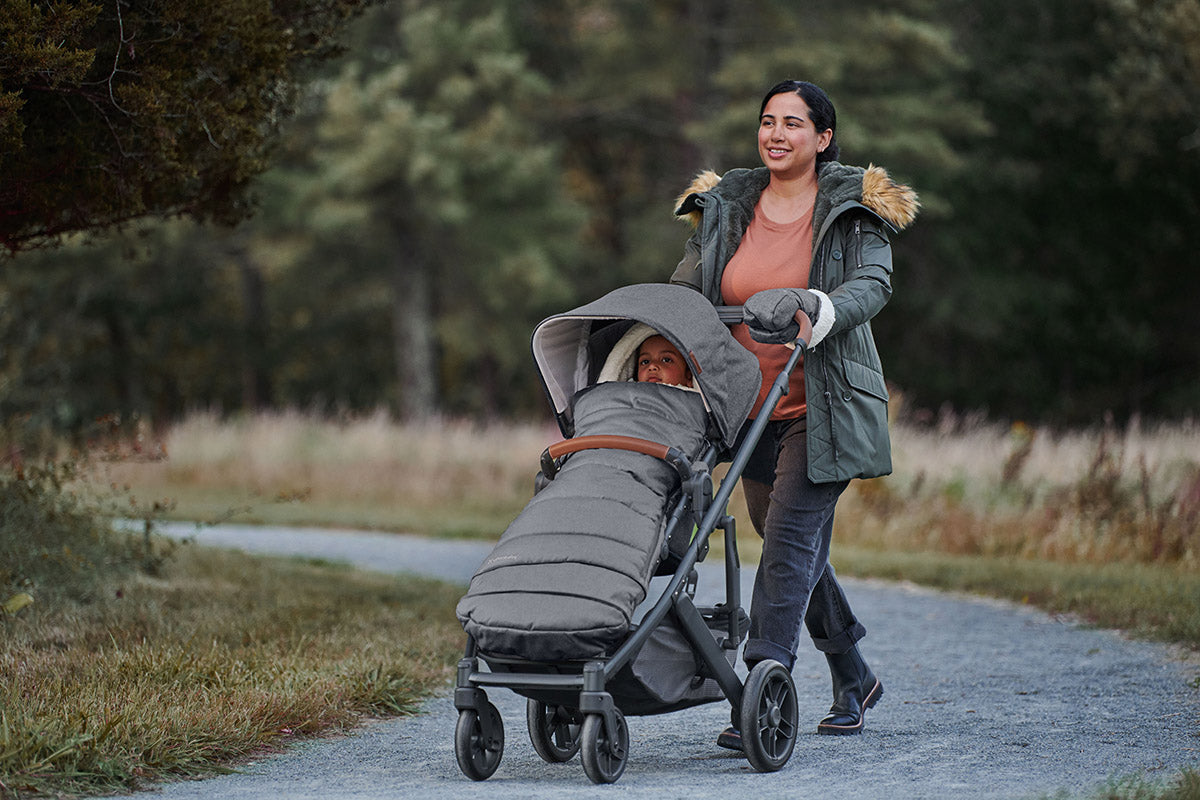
[771,314]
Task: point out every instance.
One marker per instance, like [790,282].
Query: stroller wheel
[769,716]
[603,756]
[553,730]
[478,755]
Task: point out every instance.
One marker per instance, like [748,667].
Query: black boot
[731,737]
[855,689]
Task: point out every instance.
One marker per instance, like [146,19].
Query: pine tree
[431,157]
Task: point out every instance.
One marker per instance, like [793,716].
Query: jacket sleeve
[868,275]
[687,273]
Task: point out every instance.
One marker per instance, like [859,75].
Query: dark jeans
[795,579]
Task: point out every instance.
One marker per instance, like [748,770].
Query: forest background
[451,172]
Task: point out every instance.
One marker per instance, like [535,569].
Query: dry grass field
[1103,523]
[444,478]
[1098,497]
[962,487]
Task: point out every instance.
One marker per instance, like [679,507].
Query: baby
[659,362]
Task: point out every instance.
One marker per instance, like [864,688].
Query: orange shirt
[770,256]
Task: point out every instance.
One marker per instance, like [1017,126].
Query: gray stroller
[627,495]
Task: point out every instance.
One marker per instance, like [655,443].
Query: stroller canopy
[570,350]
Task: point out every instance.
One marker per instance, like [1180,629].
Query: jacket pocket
[860,423]
[864,379]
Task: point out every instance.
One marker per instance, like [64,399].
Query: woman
[804,232]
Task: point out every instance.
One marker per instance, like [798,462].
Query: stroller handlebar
[804,335]
[732,315]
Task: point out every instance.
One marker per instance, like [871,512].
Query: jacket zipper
[825,352]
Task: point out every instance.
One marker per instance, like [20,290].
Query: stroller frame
[569,706]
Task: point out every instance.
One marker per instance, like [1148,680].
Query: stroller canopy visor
[570,350]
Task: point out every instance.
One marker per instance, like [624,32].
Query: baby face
[659,362]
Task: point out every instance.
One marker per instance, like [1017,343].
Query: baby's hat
[621,364]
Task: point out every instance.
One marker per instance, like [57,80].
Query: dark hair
[820,111]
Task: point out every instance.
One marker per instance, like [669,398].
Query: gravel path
[984,699]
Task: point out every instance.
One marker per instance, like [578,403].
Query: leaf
[15,603]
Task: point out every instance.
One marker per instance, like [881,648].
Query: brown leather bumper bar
[644,446]
[631,443]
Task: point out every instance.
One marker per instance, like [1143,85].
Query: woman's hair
[820,111]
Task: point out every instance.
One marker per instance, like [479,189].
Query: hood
[572,350]
[894,203]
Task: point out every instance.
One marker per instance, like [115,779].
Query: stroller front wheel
[769,716]
[554,730]
[604,756]
[479,754]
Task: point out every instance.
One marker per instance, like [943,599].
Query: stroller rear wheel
[769,716]
[478,754]
[553,730]
[604,756]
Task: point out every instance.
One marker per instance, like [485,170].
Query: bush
[56,545]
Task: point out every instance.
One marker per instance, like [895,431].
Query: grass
[1146,601]
[1098,497]
[1093,495]
[137,661]
[448,478]
[1183,786]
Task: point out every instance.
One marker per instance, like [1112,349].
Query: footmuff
[564,579]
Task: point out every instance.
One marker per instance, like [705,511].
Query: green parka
[852,263]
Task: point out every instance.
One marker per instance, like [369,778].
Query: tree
[629,79]
[444,194]
[648,94]
[122,328]
[297,305]
[119,111]
[1062,287]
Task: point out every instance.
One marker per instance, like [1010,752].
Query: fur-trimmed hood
[894,203]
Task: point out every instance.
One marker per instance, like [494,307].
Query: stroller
[628,495]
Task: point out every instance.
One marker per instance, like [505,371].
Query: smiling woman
[804,233]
